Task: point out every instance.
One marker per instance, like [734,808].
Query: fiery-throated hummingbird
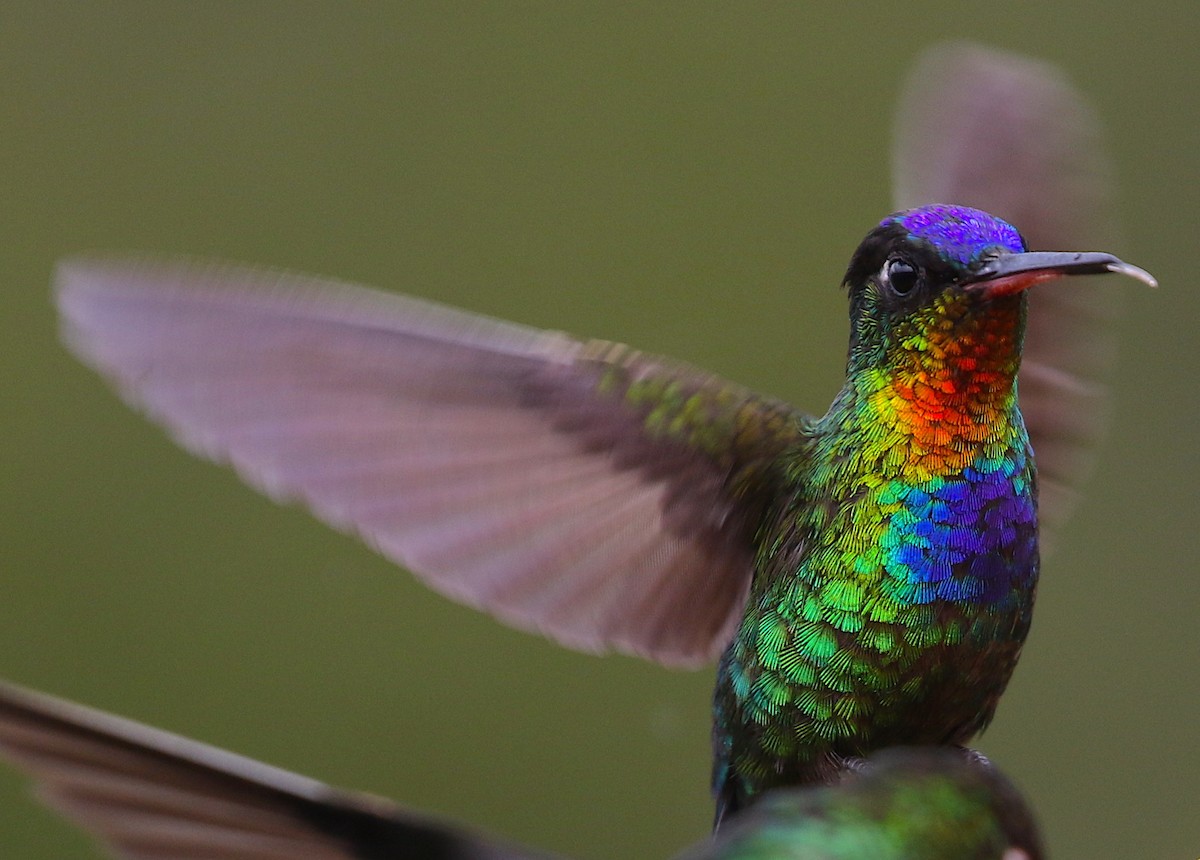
[151,795]
[868,576]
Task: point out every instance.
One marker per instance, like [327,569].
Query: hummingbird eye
[900,275]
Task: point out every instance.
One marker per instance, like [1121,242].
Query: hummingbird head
[941,289]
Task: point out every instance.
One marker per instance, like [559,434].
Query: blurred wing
[152,795]
[1011,136]
[581,489]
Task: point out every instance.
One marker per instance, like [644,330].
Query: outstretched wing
[581,489]
[1011,136]
[152,795]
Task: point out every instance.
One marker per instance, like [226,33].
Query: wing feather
[151,795]
[510,468]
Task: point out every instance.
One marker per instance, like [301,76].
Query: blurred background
[690,179]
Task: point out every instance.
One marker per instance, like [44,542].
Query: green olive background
[690,178]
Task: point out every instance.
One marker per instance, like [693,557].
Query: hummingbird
[866,578]
[147,794]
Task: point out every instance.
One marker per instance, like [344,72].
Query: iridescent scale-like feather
[895,585]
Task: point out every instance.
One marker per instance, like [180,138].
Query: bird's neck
[946,395]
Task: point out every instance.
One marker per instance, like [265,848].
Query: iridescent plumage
[869,575]
[895,581]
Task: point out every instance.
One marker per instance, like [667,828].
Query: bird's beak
[1012,273]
